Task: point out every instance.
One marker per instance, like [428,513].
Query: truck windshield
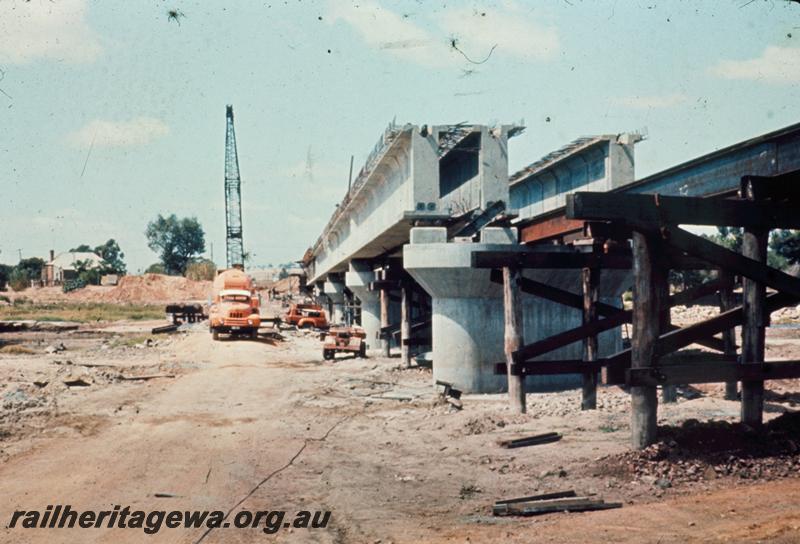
[236,298]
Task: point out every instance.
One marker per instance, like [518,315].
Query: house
[65,266]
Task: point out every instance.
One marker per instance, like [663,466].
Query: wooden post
[669,393]
[590,279]
[405,324]
[512,306]
[648,280]
[727,301]
[754,246]
[385,341]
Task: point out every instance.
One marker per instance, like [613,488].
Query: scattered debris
[164,329]
[56,348]
[545,438]
[566,501]
[77,382]
[144,378]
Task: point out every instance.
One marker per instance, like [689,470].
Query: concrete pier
[334,291]
[357,279]
[467,321]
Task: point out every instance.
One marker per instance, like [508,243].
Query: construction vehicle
[306,316]
[235,305]
[344,339]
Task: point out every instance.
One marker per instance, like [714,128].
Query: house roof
[69,259]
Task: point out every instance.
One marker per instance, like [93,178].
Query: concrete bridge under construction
[408,252]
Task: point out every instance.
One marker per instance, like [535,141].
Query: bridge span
[397,255]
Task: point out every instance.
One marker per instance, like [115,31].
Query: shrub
[201,270]
[19,280]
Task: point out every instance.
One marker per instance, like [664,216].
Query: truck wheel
[327,354]
[215,335]
[362,352]
[254,334]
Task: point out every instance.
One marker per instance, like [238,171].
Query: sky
[112,112]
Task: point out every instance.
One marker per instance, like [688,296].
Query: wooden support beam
[712,373]
[554,294]
[405,325]
[615,318]
[614,370]
[551,368]
[754,292]
[731,261]
[669,394]
[648,277]
[782,187]
[590,281]
[385,340]
[654,209]
[727,301]
[512,306]
[558,258]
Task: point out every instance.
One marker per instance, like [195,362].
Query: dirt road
[263,426]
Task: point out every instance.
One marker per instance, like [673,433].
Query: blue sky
[112,113]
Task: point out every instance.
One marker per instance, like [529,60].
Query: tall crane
[233,197]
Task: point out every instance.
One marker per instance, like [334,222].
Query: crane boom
[233,197]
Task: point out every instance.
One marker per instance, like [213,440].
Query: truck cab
[235,306]
[306,316]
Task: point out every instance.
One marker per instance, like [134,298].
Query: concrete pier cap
[357,279]
[468,323]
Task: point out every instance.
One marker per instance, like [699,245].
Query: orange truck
[235,305]
[306,316]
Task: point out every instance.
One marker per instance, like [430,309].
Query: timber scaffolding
[641,232]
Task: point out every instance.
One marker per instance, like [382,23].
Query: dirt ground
[182,422]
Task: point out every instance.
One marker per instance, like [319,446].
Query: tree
[19,280]
[31,267]
[112,255]
[177,241]
[155,268]
[110,252]
[786,244]
[5,274]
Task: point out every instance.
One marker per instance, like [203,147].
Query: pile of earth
[698,451]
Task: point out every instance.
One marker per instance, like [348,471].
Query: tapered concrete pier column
[334,290]
[467,320]
[357,280]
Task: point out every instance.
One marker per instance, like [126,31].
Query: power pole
[233,197]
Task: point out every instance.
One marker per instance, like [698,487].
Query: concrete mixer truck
[234,305]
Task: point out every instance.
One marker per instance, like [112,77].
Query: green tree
[31,267]
[155,268]
[83,248]
[19,280]
[112,255]
[5,274]
[786,244]
[178,242]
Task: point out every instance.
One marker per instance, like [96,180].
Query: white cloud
[513,33]
[511,30]
[102,133]
[384,29]
[41,29]
[775,65]
[653,101]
